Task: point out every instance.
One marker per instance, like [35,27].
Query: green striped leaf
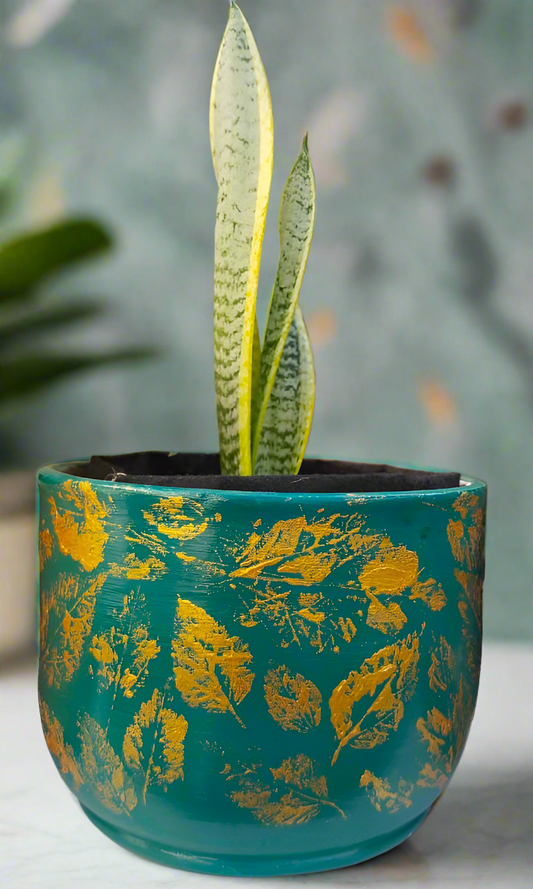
[296,225]
[256,365]
[289,412]
[242,142]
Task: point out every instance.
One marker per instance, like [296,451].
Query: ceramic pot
[257,684]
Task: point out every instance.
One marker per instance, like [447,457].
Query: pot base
[256,866]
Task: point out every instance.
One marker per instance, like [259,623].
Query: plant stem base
[255,866]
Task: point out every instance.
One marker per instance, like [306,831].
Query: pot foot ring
[257,865]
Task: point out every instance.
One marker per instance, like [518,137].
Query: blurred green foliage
[27,263]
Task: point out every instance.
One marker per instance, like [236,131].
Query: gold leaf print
[299,793]
[80,529]
[434,730]
[431,593]
[45,547]
[210,666]
[470,607]
[473,592]
[153,744]
[466,534]
[445,736]
[102,769]
[347,628]
[381,795]
[150,541]
[430,777]
[294,702]
[137,569]
[296,553]
[442,669]
[124,652]
[388,619]
[177,518]
[53,734]
[389,678]
[66,619]
[300,553]
[391,572]
[274,547]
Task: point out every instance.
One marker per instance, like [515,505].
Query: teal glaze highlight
[258,866]
[196,647]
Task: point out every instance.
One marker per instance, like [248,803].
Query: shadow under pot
[257,682]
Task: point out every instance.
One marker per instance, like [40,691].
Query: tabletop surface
[480,836]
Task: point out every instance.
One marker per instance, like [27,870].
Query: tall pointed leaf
[289,411]
[296,224]
[256,366]
[242,141]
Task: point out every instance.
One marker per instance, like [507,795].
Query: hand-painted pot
[255,684]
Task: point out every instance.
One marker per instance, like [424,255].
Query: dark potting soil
[315,477]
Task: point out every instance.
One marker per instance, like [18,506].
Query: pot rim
[56,472]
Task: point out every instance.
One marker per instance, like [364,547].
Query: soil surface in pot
[203,471]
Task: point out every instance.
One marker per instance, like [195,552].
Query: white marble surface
[479,837]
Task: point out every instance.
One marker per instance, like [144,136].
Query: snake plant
[265,396]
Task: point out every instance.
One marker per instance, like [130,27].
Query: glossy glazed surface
[255,683]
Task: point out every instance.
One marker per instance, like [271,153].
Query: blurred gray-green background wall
[419,289]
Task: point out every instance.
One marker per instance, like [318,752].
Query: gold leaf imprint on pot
[442,669]
[45,547]
[123,653]
[389,679]
[210,666]
[153,744]
[382,796]
[177,518]
[466,535]
[308,579]
[445,736]
[138,569]
[66,619]
[63,753]
[294,702]
[80,528]
[297,794]
[102,770]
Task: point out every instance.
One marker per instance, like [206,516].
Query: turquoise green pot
[258,684]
